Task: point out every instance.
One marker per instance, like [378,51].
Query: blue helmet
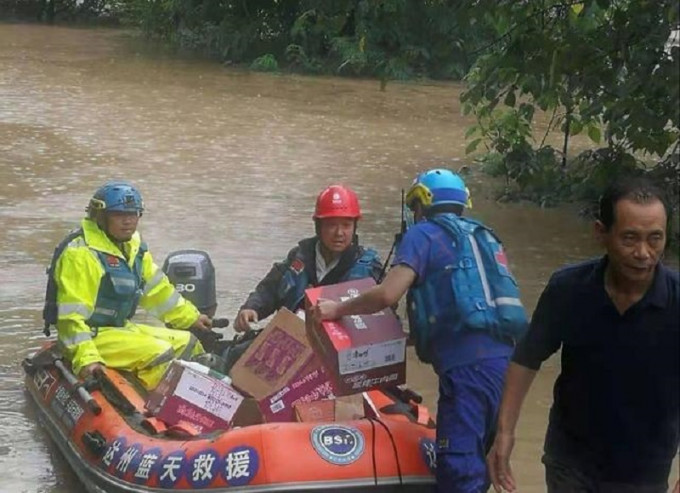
[117,196]
[438,186]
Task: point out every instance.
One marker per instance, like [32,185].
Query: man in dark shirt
[330,257]
[614,423]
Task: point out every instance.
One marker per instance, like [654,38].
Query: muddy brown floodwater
[229,162]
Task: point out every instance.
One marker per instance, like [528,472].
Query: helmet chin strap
[103,223]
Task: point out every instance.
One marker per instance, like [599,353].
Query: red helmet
[337,201]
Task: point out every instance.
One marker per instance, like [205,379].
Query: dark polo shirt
[616,409]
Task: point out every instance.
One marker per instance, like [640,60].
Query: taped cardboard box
[345,408]
[188,395]
[361,352]
[280,368]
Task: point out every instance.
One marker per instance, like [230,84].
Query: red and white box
[361,352]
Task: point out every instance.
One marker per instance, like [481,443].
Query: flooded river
[229,162]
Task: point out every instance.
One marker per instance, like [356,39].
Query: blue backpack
[485,294]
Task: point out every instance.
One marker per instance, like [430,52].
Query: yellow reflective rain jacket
[79,274]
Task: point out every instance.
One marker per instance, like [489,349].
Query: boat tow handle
[78,387]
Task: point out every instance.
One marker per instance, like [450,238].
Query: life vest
[296,279]
[485,294]
[119,290]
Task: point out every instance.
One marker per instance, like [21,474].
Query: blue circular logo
[240,465]
[128,460]
[145,465]
[203,468]
[172,468]
[338,444]
[113,453]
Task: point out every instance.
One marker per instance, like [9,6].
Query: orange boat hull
[111,452]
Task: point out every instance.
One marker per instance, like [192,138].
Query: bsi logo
[338,444]
[185,288]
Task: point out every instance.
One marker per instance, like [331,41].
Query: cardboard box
[314,412]
[361,352]
[280,368]
[247,414]
[188,395]
[344,408]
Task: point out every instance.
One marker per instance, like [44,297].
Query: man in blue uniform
[614,425]
[464,314]
[331,256]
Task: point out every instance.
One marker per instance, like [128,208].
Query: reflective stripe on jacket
[485,296]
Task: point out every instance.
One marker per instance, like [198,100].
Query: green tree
[602,67]
[387,39]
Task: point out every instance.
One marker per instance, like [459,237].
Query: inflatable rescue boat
[114,445]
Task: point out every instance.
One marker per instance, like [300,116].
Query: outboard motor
[193,275]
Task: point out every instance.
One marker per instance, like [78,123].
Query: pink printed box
[185,394]
[311,383]
[279,369]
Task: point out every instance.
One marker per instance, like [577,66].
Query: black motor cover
[193,275]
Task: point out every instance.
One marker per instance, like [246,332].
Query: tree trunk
[567,129]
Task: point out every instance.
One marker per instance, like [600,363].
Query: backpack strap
[51,310]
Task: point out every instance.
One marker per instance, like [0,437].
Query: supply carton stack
[293,371]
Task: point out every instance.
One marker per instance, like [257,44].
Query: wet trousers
[145,350]
[469,398]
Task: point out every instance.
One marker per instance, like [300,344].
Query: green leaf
[472,146]
[594,133]
[575,127]
[510,99]
[471,131]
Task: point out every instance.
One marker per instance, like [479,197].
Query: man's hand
[677,487]
[90,369]
[244,318]
[498,462]
[203,322]
[326,310]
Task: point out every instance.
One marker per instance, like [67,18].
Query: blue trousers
[469,398]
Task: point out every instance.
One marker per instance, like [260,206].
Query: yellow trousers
[145,350]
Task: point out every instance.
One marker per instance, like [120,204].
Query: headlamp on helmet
[117,197]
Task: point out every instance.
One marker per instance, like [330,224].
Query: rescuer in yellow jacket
[101,273]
